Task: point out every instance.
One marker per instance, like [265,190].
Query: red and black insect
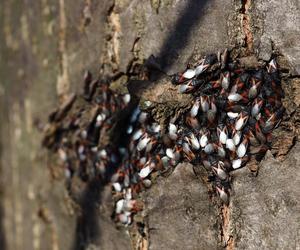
[230,121]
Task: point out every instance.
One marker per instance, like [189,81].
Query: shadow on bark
[181,32]
[88,228]
[177,39]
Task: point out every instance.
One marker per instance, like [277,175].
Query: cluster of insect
[230,121]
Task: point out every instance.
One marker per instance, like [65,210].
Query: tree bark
[45,48]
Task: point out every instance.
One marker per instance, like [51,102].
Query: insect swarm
[230,122]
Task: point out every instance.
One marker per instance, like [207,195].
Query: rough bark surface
[45,48]
[194,224]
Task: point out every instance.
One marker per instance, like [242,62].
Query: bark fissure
[246,25]
[226,237]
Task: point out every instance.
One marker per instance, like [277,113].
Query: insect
[231,118]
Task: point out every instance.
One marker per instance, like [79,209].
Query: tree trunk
[47,45]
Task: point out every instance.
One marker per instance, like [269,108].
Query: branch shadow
[181,32]
[88,228]
[175,42]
